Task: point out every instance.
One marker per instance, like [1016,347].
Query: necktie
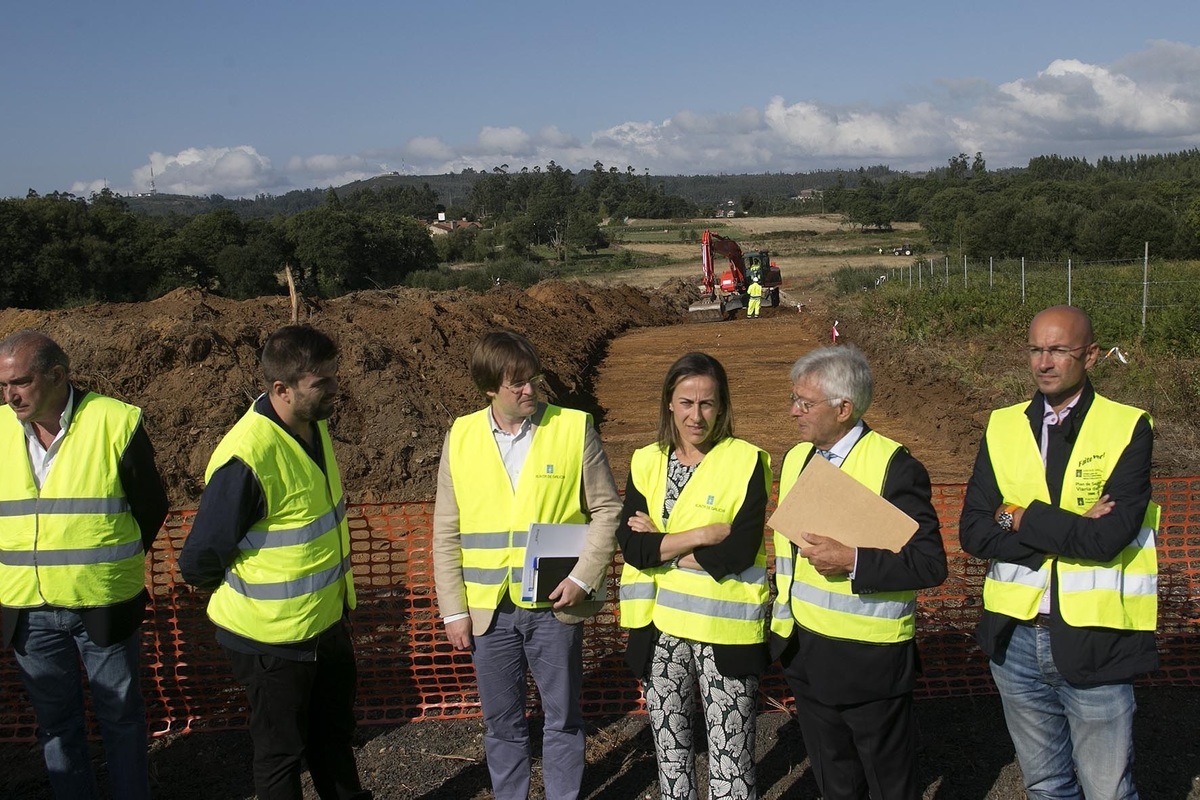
[825,454]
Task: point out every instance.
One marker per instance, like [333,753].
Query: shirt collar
[1049,415]
[844,445]
[64,419]
[526,424]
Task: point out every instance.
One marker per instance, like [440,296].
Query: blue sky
[256,96]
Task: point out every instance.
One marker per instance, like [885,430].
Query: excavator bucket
[707,309]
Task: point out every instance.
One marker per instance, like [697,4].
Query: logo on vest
[709,504]
[549,472]
[1089,477]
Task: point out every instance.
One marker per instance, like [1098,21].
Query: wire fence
[408,671]
[1142,293]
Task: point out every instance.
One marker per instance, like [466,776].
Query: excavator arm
[721,294]
[712,243]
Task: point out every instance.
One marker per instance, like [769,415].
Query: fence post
[1022,280]
[1145,282]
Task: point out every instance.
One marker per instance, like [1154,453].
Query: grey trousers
[534,640]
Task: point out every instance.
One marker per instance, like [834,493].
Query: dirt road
[757,355]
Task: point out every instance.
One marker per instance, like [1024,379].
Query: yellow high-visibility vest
[493,517]
[292,576]
[1121,594]
[689,603]
[75,543]
[828,605]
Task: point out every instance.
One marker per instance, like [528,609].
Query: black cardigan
[733,555]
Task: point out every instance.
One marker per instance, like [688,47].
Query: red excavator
[724,297]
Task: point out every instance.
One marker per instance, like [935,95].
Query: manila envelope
[829,502]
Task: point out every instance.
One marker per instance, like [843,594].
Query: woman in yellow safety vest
[694,583]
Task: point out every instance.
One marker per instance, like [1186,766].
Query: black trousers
[857,750]
[303,710]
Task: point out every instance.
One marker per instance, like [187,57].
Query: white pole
[990,260]
[1145,282]
[1068,281]
[1022,280]
[964,272]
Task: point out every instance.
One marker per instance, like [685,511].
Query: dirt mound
[189,359]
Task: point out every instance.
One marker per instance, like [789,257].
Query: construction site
[189,359]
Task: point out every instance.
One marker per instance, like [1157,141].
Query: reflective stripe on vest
[1121,594]
[291,578]
[828,605]
[689,603]
[493,517]
[74,543]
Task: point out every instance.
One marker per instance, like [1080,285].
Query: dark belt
[1040,621]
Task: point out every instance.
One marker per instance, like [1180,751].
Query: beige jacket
[601,502]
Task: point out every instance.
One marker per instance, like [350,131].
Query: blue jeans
[534,640]
[1072,741]
[48,646]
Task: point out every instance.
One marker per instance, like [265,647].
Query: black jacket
[1082,655]
[733,555]
[843,672]
[233,501]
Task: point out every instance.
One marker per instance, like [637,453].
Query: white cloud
[1145,102]
[551,136]
[504,140]
[429,149]
[232,171]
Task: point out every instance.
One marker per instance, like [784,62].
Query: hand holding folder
[831,503]
[548,549]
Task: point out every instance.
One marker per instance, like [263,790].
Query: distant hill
[455,189]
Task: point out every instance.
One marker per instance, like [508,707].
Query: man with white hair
[843,625]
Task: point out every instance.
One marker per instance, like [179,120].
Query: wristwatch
[1006,517]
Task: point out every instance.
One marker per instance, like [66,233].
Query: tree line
[1056,208]
[60,250]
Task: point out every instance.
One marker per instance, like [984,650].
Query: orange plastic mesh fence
[407,671]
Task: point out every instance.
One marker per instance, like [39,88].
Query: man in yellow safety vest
[1059,504]
[271,539]
[516,462]
[81,502]
[844,621]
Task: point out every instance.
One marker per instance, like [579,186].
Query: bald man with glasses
[1059,504]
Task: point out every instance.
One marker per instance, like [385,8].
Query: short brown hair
[293,351]
[502,354]
[689,366]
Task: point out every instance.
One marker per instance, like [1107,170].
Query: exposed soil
[189,360]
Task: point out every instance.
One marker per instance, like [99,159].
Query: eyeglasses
[516,387]
[806,406]
[1055,353]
